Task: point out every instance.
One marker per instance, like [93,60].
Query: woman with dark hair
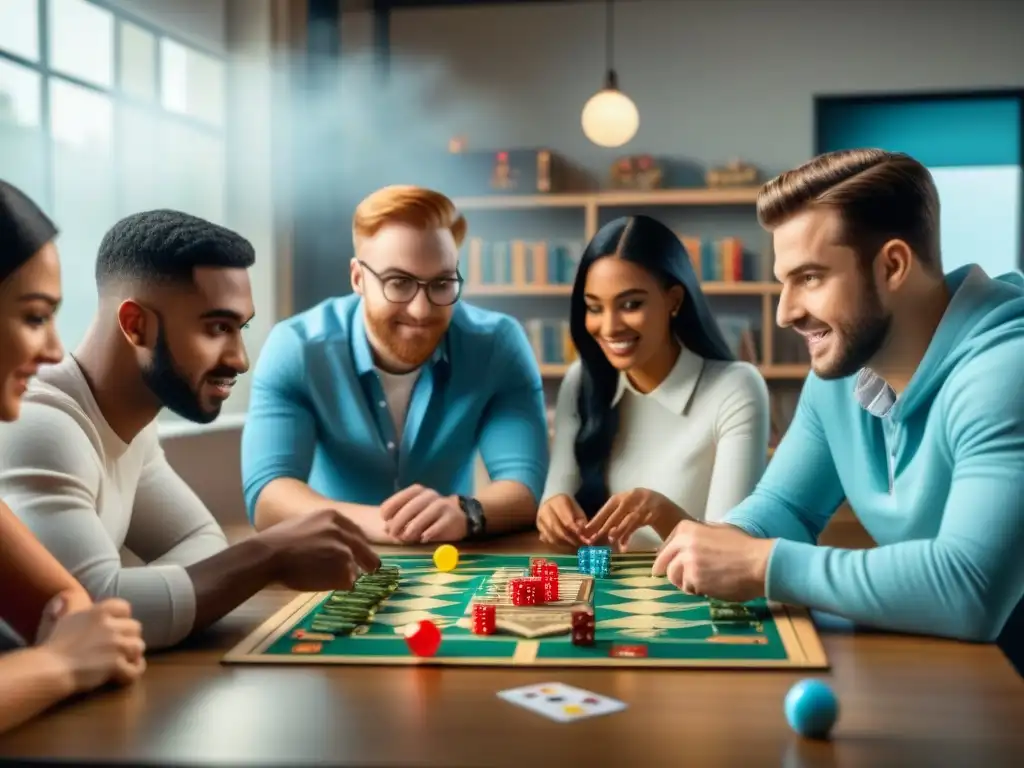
[656,418]
[79,645]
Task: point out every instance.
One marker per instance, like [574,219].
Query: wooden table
[904,702]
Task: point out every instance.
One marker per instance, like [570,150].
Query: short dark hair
[879,195]
[167,246]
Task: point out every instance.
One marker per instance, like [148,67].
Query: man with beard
[914,413]
[376,403]
[83,466]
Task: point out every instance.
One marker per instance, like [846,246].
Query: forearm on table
[226,580]
[31,681]
[508,506]
[286,497]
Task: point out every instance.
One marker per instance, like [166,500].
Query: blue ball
[811,709]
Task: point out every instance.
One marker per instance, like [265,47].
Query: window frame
[115,93]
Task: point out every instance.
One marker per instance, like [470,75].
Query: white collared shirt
[700,438]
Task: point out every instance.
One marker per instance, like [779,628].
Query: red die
[484,619]
[582,636]
[549,588]
[583,619]
[549,571]
[525,591]
[537,566]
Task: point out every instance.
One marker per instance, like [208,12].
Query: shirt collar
[873,393]
[362,355]
[676,392]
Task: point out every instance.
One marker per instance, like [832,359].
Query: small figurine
[636,172]
[735,173]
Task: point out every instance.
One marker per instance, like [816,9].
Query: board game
[639,620]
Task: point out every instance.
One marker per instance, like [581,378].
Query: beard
[859,340]
[172,389]
[408,351]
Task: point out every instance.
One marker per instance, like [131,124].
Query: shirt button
[383,404]
[391,446]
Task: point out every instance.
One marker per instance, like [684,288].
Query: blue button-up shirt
[318,414]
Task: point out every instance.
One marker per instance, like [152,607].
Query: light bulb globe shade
[610,118]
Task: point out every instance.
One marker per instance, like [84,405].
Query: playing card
[561,702]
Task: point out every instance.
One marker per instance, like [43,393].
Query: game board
[641,621]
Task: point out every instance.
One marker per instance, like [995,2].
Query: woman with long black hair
[75,645]
[657,420]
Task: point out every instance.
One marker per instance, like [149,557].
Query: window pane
[81,41]
[138,62]
[20,99]
[191,83]
[139,162]
[22,140]
[19,28]
[193,172]
[84,196]
[166,164]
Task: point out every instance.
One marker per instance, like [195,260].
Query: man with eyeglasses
[377,403]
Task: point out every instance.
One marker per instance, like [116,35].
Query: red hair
[405,204]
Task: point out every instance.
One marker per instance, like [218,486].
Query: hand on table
[561,521]
[320,551]
[95,646]
[719,561]
[419,515]
[625,513]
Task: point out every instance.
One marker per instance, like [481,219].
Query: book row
[532,263]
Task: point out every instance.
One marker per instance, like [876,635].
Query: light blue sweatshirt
[936,476]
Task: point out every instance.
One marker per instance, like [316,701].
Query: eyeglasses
[401,289]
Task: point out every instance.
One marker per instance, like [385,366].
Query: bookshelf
[759,285]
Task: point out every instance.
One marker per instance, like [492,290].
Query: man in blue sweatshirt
[914,413]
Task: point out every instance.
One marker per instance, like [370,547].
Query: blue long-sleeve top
[318,414]
[935,475]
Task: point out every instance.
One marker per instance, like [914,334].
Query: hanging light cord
[609,34]
[611,79]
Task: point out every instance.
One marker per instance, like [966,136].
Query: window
[81,41]
[191,83]
[19,28]
[137,65]
[22,139]
[971,143]
[102,115]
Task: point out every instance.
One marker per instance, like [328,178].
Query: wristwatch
[476,524]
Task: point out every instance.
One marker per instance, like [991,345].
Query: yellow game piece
[446,557]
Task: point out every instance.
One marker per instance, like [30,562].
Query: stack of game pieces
[583,625]
[595,561]
[484,618]
[344,610]
[525,591]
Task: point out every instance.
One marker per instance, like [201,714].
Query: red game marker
[423,638]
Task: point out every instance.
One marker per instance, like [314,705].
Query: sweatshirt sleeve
[50,475]
[965,582]
[563,474]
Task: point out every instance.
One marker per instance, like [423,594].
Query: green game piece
[730,614]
